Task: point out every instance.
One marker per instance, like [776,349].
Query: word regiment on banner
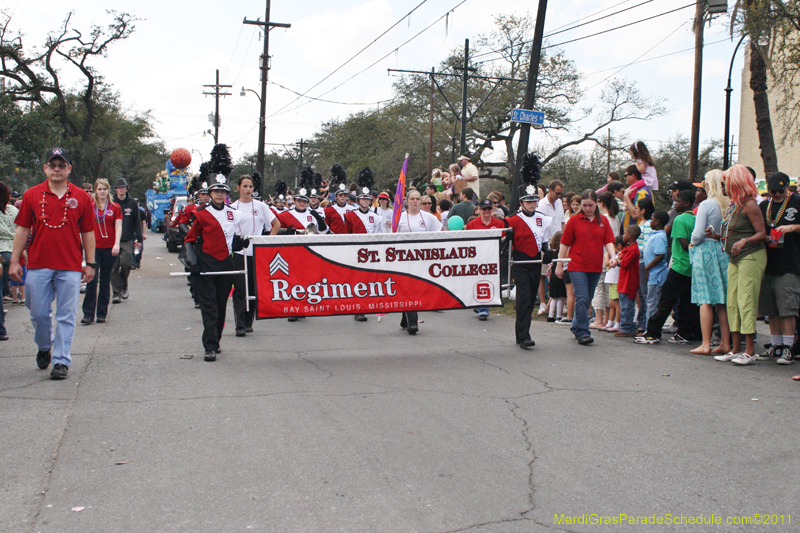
[323,275]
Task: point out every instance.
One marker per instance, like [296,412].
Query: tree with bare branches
[35,74]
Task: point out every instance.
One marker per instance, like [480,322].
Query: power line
[656,57]
[593,34]
[593,14]
[375,63]
[623,26]
[641,56]
[353,57]
[245,57]
[567,27]
[234,51]
[328,101]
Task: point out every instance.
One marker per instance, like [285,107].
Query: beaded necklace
[784,205]
[44,217]
[101,220]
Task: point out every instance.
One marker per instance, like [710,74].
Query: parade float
[170,184]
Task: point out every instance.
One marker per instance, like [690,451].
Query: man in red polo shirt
[485,221]
[60,215]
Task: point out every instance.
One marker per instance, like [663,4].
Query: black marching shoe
[293,319]
[59,371]
[248,329]
[585,341]
[43,359]
[527,343]
[240,332]
[101,320]
[360,318]
[86,321]
[412,329]
[210,356]
[116,299]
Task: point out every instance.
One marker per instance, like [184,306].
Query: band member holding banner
[364,219]
[335,213]
[485,221]
[209,246]
[300,217]
[530,232]
[414,220]
[256,219]
[315,195]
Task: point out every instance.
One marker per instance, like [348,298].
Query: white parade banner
[323,275]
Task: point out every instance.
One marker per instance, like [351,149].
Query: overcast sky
[178,46]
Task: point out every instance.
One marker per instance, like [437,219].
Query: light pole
[198,153]
[260,157]
[728,91]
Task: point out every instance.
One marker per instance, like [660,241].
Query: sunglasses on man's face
[53,166]
[773,191]
[427,203]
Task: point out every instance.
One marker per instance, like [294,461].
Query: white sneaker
[744,359]
[564,320]
[730,356]
[541,311]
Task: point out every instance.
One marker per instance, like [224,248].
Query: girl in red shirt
[585,236]
[107,232]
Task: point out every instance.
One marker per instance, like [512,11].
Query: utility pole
[430,130]
[216,94]
[467,69]
[530,99]
[608,162]
[267,25]
[461,117]
[694,145]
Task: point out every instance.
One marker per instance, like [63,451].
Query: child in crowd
[645,165]
[644,212]
[678,284]
[558,289]
[655,260]
[612,277]
[628,284]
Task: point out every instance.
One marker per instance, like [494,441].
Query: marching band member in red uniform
[364,219]
[334,214]
[530,232]
[301,218]
[185,220]
[280,198]
[209,245]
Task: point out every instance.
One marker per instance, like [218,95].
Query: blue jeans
[641,322]
[583,284]
[483,311]
[653,296]
[627,309]
[42,286]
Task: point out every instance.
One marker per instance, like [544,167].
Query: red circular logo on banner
[483,291]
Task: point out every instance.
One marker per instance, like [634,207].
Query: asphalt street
[330,425]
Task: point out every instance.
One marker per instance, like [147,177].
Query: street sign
[528,117]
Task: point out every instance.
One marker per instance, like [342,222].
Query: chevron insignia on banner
[278,263]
